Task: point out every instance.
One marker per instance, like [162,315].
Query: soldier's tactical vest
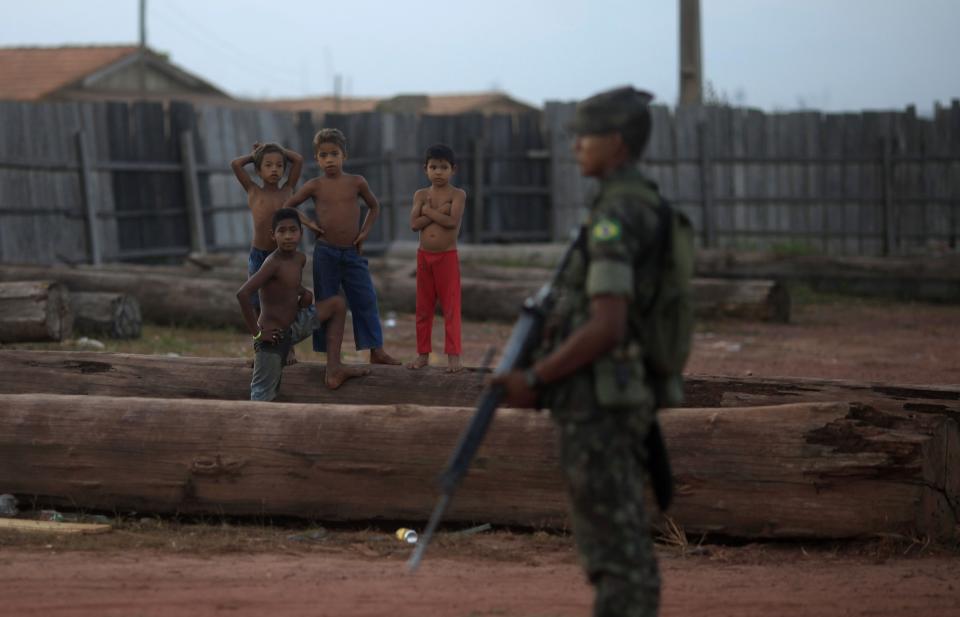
[664,326]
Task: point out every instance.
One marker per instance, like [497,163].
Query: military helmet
[624,109]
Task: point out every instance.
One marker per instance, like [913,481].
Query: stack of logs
[185,295]
[752,458]
[46,311]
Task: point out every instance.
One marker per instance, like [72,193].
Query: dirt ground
[149,567]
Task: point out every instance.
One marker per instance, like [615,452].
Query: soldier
[613,348]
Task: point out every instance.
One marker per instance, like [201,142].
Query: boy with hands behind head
[269,162]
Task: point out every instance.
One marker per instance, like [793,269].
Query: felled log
[113,315]
[815,470]
[34,311]
[925,277]
[818,470]
[163,297]
[911,399]
[928,277]
[110,374]
[499,299]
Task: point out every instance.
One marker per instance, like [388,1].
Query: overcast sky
[772,54]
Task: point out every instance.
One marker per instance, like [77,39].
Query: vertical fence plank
[94,247]
[689,167]
[566,186]
[889,237]
[708,213]
[479,152]
[191,188]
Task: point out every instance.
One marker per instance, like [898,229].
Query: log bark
[163,297]
[812,470]
[110,374]
[500,300]
[182,295]
[112,315]
[908,399]
[34,311]
[926,277]
[930,278]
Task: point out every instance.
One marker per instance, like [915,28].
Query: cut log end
[34,311]
[107,314]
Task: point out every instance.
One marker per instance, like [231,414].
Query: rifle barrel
[442,504]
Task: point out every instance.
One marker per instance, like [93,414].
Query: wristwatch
[533,380]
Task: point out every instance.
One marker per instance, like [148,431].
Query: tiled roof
[465,103]
[31,73]
[322,104]
[440,104]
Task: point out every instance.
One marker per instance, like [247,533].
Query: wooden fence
[96,182]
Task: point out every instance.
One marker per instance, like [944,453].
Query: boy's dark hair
[330,136]
[265,149]
[440,152]
[283,214]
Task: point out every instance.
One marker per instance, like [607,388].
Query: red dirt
[504,574]
[740,582]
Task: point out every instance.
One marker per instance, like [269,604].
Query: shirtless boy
[337,253]
[436,214]
[269,161]
[287,312]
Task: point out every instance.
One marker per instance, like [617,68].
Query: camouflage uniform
[605,410]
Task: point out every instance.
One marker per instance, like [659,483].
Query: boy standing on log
[288,314]
[437,213]
[337,253]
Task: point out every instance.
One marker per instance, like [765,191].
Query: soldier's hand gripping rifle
[516,355]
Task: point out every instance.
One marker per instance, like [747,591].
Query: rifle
[524,337]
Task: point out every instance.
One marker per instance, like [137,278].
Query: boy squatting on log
[287,312]
[337,253]
[437,213]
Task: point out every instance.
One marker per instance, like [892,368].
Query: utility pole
[691,57]
[142,62]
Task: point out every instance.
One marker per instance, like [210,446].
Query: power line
[227,50]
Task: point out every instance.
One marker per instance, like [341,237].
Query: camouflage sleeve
[620,230]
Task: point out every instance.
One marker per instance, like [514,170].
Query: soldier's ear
[621,143]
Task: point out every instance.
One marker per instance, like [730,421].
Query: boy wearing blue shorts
[338,253]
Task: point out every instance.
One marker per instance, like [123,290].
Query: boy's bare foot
[379,356]
[334,379]
[421,361]
[291,356]
[453,364]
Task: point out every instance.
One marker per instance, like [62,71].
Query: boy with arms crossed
[337,252]
[437,213]
[288,314]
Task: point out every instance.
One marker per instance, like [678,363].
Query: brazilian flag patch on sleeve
[606,230]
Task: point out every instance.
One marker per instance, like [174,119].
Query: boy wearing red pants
[436,214]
